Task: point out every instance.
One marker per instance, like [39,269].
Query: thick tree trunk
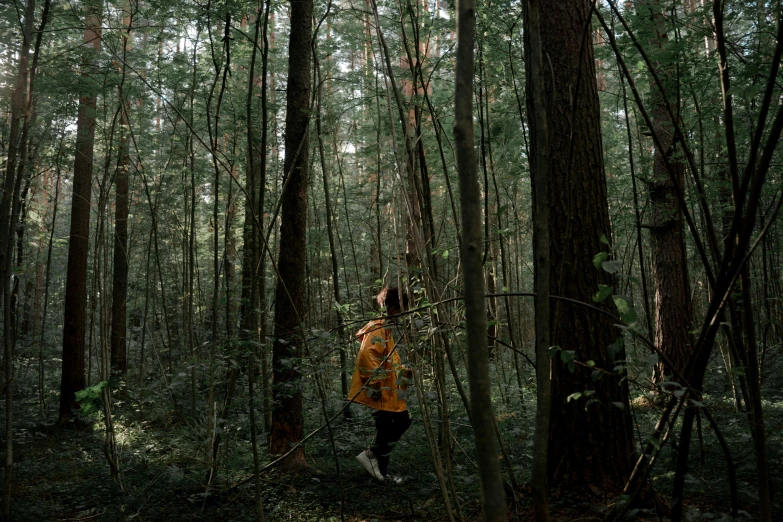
[590,444]
[673,311]
[76,278]
[287,422]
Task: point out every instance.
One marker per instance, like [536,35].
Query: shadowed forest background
[200,200]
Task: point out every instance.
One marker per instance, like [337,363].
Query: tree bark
[76,278]
[543,263]
[8,204]
[482,415]
[590,444]
[287,421]
[673,311]
[119,294]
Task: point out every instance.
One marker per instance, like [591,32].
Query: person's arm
[404,377]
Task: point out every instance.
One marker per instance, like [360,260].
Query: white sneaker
[371,465]
[394,479]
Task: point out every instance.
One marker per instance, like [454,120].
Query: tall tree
[72,379]
[287,422]
[590,444]
[119,294]
[540,166]
[673,309]
[253,281]
[482,415]
[8,215]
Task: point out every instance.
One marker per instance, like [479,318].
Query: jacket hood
[369,327]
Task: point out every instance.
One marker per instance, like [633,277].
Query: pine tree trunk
[287,421]
[76,278]
[119,294]
[672,312]
[589,445]
[539,167]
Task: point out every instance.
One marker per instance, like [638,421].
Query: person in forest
[379,380]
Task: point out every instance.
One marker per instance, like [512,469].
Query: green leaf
[615,347]
[604,239]
[627,313]
[567,357]
[89,399]
[612,267]
[603,292]
[599,258]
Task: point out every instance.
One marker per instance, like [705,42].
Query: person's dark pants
[389,427]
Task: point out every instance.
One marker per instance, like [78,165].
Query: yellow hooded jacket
[380,388]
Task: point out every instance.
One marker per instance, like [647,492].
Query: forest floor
[61,473]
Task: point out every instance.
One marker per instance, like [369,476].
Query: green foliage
[90,399]
[604,291]
[567,357]
[168,75]
[599,259]
[627,313]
